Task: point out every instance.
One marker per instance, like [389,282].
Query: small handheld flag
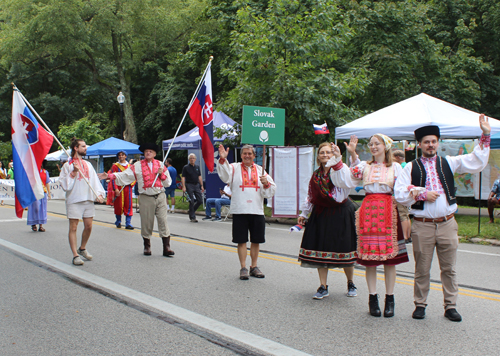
[296,228]
[321,129]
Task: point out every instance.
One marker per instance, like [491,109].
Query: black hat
[149,146]
[427,130]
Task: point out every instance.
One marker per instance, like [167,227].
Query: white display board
[291,170]
[7,189]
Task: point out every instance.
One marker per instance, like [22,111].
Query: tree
[288,57]
[394,39]
[109,40]
[83,129]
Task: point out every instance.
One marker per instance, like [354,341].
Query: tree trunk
[130,133]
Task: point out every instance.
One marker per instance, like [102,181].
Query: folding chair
[224,211]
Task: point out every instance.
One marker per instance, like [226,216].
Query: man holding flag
[30,144]
[81,184]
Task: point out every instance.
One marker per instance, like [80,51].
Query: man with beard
[427,185]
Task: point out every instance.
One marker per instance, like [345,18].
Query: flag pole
[182,121]
[50,131]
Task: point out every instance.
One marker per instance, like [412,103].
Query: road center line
[198,321]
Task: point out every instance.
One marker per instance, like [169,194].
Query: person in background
[122,195]
[10,172]
[329,240]
[3,175]
[494,199]
[404,211]
[218,203]
[249,184]
[380,236]
[37,211]
[170,191]
[427,184]
[192,183]
[80,197]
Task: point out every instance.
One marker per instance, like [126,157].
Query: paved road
[124,303]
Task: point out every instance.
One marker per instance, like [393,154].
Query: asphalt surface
[45,311]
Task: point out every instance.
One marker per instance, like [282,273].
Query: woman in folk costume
[329,240]
[37,211]
[380,236]
[122,197]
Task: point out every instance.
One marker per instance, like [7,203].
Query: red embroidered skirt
[380,236]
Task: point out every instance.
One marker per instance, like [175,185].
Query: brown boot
[147,247]
[166,247]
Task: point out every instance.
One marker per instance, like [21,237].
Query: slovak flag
[321,129]
[201,112]
[30,144]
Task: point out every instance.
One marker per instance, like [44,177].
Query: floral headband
[387,141]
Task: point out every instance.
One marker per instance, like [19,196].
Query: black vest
[418,177]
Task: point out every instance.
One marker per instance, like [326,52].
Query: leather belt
[446,218]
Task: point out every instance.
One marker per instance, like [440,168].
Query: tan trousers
[150,207]
[443,236]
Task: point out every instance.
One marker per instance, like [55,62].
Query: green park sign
[263,126]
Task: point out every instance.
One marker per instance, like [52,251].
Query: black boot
[166,247]
[389,306]
[147,247]
[373,304]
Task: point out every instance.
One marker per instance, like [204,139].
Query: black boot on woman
[373,304]
[389,306]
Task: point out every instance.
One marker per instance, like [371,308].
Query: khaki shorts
[84,209]
[404,212]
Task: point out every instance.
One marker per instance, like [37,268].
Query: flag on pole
[321,129]
[201,113]
[30,144]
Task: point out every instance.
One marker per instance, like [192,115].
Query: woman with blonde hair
[329,240]
[380,237]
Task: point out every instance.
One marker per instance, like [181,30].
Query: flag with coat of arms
[30,144]
[321,129]
[201,112]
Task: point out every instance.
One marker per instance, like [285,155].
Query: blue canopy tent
[495,141]
[110,147]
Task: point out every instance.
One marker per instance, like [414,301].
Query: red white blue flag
[321,129]
[30,144]
[201,112]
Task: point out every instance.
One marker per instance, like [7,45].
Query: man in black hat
[427,185]
[152,197]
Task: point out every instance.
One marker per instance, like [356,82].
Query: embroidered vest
[418,177]
[378,173]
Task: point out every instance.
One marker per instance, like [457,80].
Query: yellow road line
[290,260]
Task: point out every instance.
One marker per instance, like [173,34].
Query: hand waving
[223,152]
[351,146]
[484,124]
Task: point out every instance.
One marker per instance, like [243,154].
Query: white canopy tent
[400,120]
[58,155]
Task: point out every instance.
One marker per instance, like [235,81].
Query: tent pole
[479,210]
[185,113]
